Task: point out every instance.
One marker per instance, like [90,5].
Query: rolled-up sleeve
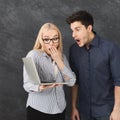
[27,83]
[115,65]
[68,74]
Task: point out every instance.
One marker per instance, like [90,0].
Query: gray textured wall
[20,21]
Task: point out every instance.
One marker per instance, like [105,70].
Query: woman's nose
[51,42]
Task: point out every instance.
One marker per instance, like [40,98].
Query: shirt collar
[43,53]
[95,41]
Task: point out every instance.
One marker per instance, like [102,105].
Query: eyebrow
[56,35]
[53,36]
[77,27]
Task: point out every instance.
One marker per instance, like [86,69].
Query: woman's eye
[46,39]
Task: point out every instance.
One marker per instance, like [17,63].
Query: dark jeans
[33,114]
[82,117]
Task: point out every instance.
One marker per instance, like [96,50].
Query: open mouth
[77,40]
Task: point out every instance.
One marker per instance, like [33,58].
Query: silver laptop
[32,72]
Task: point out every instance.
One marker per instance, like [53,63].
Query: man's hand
[115,115]
[75,114]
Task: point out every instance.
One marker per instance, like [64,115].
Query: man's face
[80,33]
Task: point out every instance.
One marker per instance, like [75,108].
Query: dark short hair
[82,16]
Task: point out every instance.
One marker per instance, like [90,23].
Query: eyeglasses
[47,40]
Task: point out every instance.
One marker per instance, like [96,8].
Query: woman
[47,102]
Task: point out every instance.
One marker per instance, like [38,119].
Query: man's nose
[73,34]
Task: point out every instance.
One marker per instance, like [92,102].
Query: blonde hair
[47,26]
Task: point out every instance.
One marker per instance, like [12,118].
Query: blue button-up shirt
[98,71]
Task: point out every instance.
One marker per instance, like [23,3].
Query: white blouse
[52,100]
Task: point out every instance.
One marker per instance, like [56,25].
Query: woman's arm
[63,65]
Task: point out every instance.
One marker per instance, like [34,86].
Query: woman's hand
[55,54]
[57,57]
[45,87]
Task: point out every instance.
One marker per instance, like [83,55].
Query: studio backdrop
[20,21]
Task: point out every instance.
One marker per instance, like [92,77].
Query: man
[96,63]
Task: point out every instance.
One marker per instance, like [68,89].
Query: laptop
[32,72]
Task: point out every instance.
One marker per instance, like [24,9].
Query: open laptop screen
[32,71]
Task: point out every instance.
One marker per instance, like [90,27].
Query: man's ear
[90,28]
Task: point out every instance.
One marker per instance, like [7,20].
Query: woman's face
[50,39]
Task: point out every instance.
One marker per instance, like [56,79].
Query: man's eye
[77,29]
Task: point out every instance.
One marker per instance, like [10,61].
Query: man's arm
[75,113]
[115,115]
